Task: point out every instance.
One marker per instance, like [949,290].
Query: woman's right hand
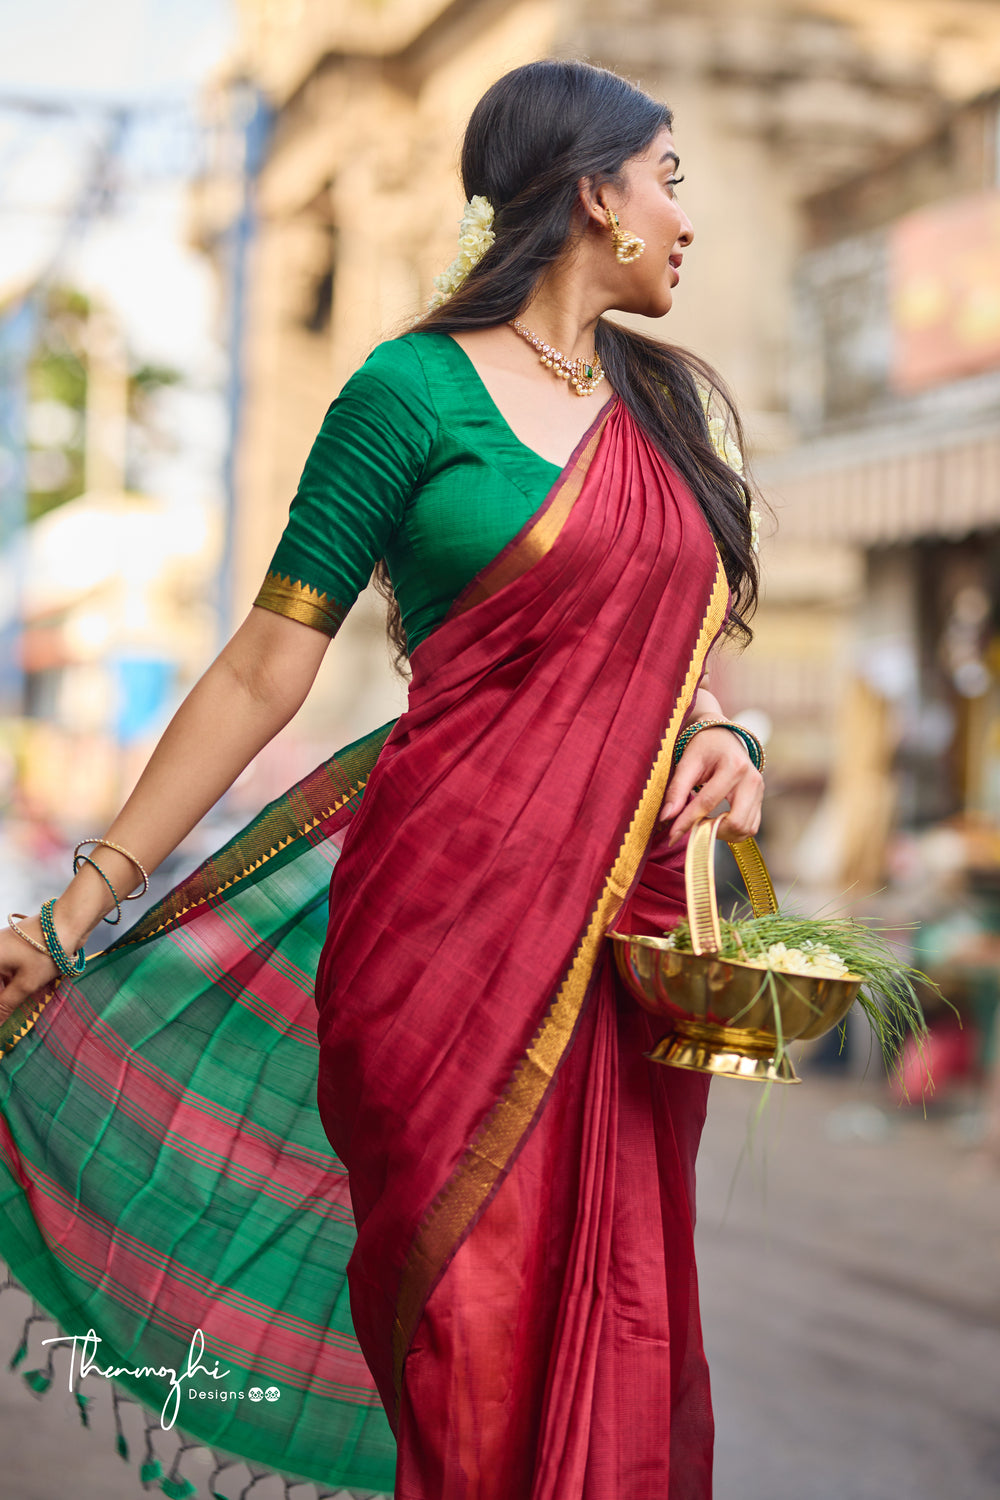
[22,969]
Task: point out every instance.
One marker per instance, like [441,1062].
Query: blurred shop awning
[896,496]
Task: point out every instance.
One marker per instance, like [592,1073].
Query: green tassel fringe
[150,1472]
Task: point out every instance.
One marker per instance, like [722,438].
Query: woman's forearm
[706,706]
[229,715]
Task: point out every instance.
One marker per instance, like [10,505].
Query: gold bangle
[22,916]
[107,844]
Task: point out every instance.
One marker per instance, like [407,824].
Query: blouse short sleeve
[363,467]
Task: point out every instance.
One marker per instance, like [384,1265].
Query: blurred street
[851,1299]
[851,1302]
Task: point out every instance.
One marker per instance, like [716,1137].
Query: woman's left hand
[716,761]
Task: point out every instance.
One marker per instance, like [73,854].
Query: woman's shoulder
[409,358]
[392,385]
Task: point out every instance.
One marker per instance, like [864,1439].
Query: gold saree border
[289,818]
[488,1155]
[297,814]
[284,595]
[248,866]
[543,534]
[17,1025]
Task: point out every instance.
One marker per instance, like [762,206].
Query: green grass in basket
[888,993]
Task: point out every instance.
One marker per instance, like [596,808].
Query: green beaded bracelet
[755,749]
[57,952]
[85,859]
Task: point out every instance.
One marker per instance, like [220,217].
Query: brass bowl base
[724,1052]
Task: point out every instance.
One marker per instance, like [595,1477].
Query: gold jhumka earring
[628,247]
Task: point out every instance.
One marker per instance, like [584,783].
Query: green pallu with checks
[165,1180]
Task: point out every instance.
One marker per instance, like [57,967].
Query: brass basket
[721,1013]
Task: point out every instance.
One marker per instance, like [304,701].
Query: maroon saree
[523,1284]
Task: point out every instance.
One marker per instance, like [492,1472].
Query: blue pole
[252,117]
[18,332]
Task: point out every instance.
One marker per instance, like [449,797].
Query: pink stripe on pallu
[12,1156]
[215,950]
[222,1349]
[173,1123]
[303,979]
[84,1024]
[171,1112]
[263,1009]
[299,1347]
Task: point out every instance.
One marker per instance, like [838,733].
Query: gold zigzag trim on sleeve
[300,601]
[486,1158]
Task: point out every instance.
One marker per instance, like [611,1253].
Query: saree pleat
[583,1263]
[522,1277]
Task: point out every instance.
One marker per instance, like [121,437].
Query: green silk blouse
[413,463]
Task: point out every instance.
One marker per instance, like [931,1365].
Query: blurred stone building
[112,587]
[896,406]
[806,130]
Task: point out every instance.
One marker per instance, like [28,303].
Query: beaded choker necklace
[584,375]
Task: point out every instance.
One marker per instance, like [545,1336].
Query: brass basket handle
[699,883]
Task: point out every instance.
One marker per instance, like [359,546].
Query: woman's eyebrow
[670,156]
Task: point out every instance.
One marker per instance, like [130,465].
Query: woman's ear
[592,200]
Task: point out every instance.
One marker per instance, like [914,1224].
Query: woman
[522,1283]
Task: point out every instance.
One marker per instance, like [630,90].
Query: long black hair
[530,140]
